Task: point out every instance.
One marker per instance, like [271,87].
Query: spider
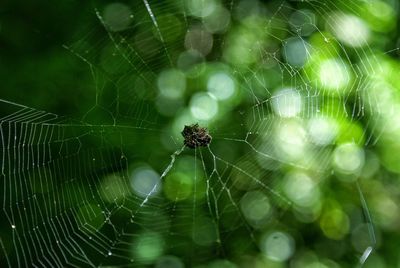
[196,136]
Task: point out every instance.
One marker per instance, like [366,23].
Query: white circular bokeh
[301,189]
[221,85]
[322,130]
[277,246]
[203,106]
[287,102]
[349,29]
[171,83]
[200,40]
[201,8]
[145,182]
[255,206]
[334,74]
[348,158]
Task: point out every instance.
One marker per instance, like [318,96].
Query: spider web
[115,186]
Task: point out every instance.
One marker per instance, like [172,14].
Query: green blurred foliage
[301,99]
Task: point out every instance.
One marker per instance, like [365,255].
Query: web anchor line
[165,172]
[371,232]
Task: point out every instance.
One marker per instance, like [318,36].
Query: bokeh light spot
[334,74]
[348,158]
[203,106]
[201,8]
[117,16]
[221,85]
[145,182]
[255,206]
[172,83]
[301,189]
[148,247]
[291,140]
[296,51]
[349,29]
[277,246]
[287,102]
[322,130]
[218,21]
[335,224]
[200,40]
